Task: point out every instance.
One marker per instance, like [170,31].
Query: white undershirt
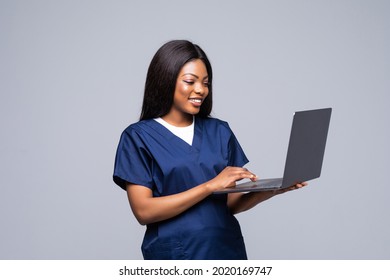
[186,133]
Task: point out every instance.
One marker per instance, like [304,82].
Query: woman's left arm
[240,202]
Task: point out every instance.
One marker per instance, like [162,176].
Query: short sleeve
[237,156]
[133,162]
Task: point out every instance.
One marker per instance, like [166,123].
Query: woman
[176,156]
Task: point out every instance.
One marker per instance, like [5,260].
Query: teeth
[196,100]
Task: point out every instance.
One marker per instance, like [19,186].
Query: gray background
[71,79]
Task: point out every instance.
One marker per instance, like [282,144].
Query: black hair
[162,75]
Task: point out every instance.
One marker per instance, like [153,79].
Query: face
[190,92]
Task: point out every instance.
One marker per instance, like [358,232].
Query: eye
[206,84]
[189,82]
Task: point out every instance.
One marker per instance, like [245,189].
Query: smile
[196,101]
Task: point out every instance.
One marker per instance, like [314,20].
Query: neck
[180,121]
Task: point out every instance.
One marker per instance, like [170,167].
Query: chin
[192,111]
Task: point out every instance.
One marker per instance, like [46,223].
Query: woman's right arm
[148,209]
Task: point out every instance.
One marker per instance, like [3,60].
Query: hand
[228,177]
[294,187]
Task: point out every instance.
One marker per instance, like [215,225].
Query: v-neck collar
[177,141]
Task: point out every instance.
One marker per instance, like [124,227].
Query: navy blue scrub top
[150,155]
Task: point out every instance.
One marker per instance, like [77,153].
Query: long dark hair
[162,75]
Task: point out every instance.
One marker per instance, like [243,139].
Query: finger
[251,176]
[245,173]
[301,185]
[239,173]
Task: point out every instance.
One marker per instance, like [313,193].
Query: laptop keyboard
[262,184]
[274,183]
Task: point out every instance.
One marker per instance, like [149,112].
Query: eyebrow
[196,76]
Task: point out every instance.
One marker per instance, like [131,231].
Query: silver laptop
[304,155]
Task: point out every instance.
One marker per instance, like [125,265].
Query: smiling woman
[173,160]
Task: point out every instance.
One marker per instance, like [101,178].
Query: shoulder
[138,128]
[214,123]
[137,131]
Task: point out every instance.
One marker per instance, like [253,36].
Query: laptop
[304,155]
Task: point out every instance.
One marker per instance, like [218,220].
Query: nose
[199,89]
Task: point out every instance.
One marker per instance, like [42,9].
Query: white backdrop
[71,79]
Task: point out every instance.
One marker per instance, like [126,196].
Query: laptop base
[257,186]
